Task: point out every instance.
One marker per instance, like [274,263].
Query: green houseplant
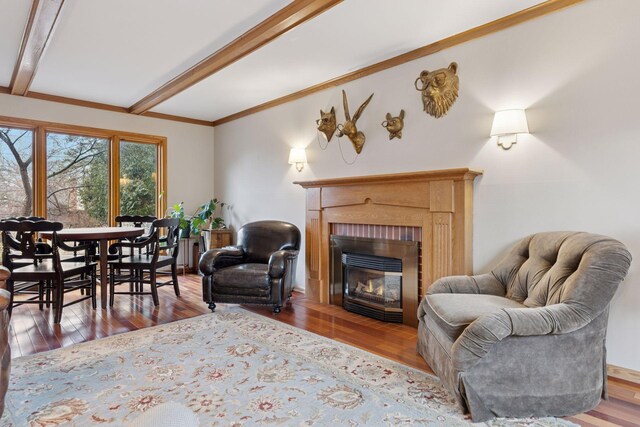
[185,223]
[205,215]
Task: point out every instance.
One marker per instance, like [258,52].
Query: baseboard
[623,374]
[297,289]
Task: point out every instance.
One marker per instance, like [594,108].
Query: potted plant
[185,224]
[204,217]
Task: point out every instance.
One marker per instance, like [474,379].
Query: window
[16,172]
[138,176]
[82,177]
[77,180]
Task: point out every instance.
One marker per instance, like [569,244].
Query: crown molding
[107,107]
[474,33]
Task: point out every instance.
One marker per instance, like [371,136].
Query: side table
[215,239]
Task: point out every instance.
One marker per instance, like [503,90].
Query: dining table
[102,235]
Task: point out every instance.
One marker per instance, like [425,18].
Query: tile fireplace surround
[439,202]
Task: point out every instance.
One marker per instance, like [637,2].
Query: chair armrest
[5,295]
[488,330]
[113,249]
[481,284]
[278,262]
[86,246]
[218,258]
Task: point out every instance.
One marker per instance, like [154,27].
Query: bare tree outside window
[16,172]
[77,180]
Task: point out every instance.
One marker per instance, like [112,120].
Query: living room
[229,136]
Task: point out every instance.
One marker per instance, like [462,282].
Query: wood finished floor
[32,331]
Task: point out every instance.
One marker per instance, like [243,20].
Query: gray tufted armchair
[260,269]
[528,338]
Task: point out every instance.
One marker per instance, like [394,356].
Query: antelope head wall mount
[349,127]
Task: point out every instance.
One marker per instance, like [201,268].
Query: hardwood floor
[32,331]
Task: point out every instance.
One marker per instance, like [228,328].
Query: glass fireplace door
[373,286]
[383,289]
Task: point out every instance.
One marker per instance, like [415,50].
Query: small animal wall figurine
[349,127]
[394,125]
[439,89]
[327,123]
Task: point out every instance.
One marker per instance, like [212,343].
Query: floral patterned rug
[231,368]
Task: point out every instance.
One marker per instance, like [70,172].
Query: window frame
[39,185]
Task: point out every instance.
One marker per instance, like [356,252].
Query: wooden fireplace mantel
[440,202]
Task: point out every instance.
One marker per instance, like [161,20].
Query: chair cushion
[242,279]
[454,312]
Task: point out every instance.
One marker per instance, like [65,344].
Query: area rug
[230,368]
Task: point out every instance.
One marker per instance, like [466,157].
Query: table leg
[104,283]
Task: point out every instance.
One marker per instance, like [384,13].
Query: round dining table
[102,235]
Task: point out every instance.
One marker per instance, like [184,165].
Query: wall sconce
[507,124]
[298,157]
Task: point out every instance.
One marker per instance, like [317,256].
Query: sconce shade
[509,122]
[297,155]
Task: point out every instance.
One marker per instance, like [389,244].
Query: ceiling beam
[106,107]
[42,20]
[474,33]
[277,24]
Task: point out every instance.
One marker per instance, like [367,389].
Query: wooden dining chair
[154,252]
[140,221]
[38,273]
[41,247]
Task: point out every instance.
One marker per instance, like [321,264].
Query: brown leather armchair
[260,269]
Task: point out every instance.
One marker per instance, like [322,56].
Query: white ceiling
[118,51]
[351,35]
[10,35]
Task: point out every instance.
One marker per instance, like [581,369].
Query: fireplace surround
[439,202]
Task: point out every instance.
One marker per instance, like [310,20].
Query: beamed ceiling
[210,61]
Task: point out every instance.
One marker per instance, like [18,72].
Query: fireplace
[438,203]
[375,277]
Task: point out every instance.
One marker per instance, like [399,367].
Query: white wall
[575,71]
[189,147]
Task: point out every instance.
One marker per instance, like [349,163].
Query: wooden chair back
[144,221]
[20,241]
[169,229]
